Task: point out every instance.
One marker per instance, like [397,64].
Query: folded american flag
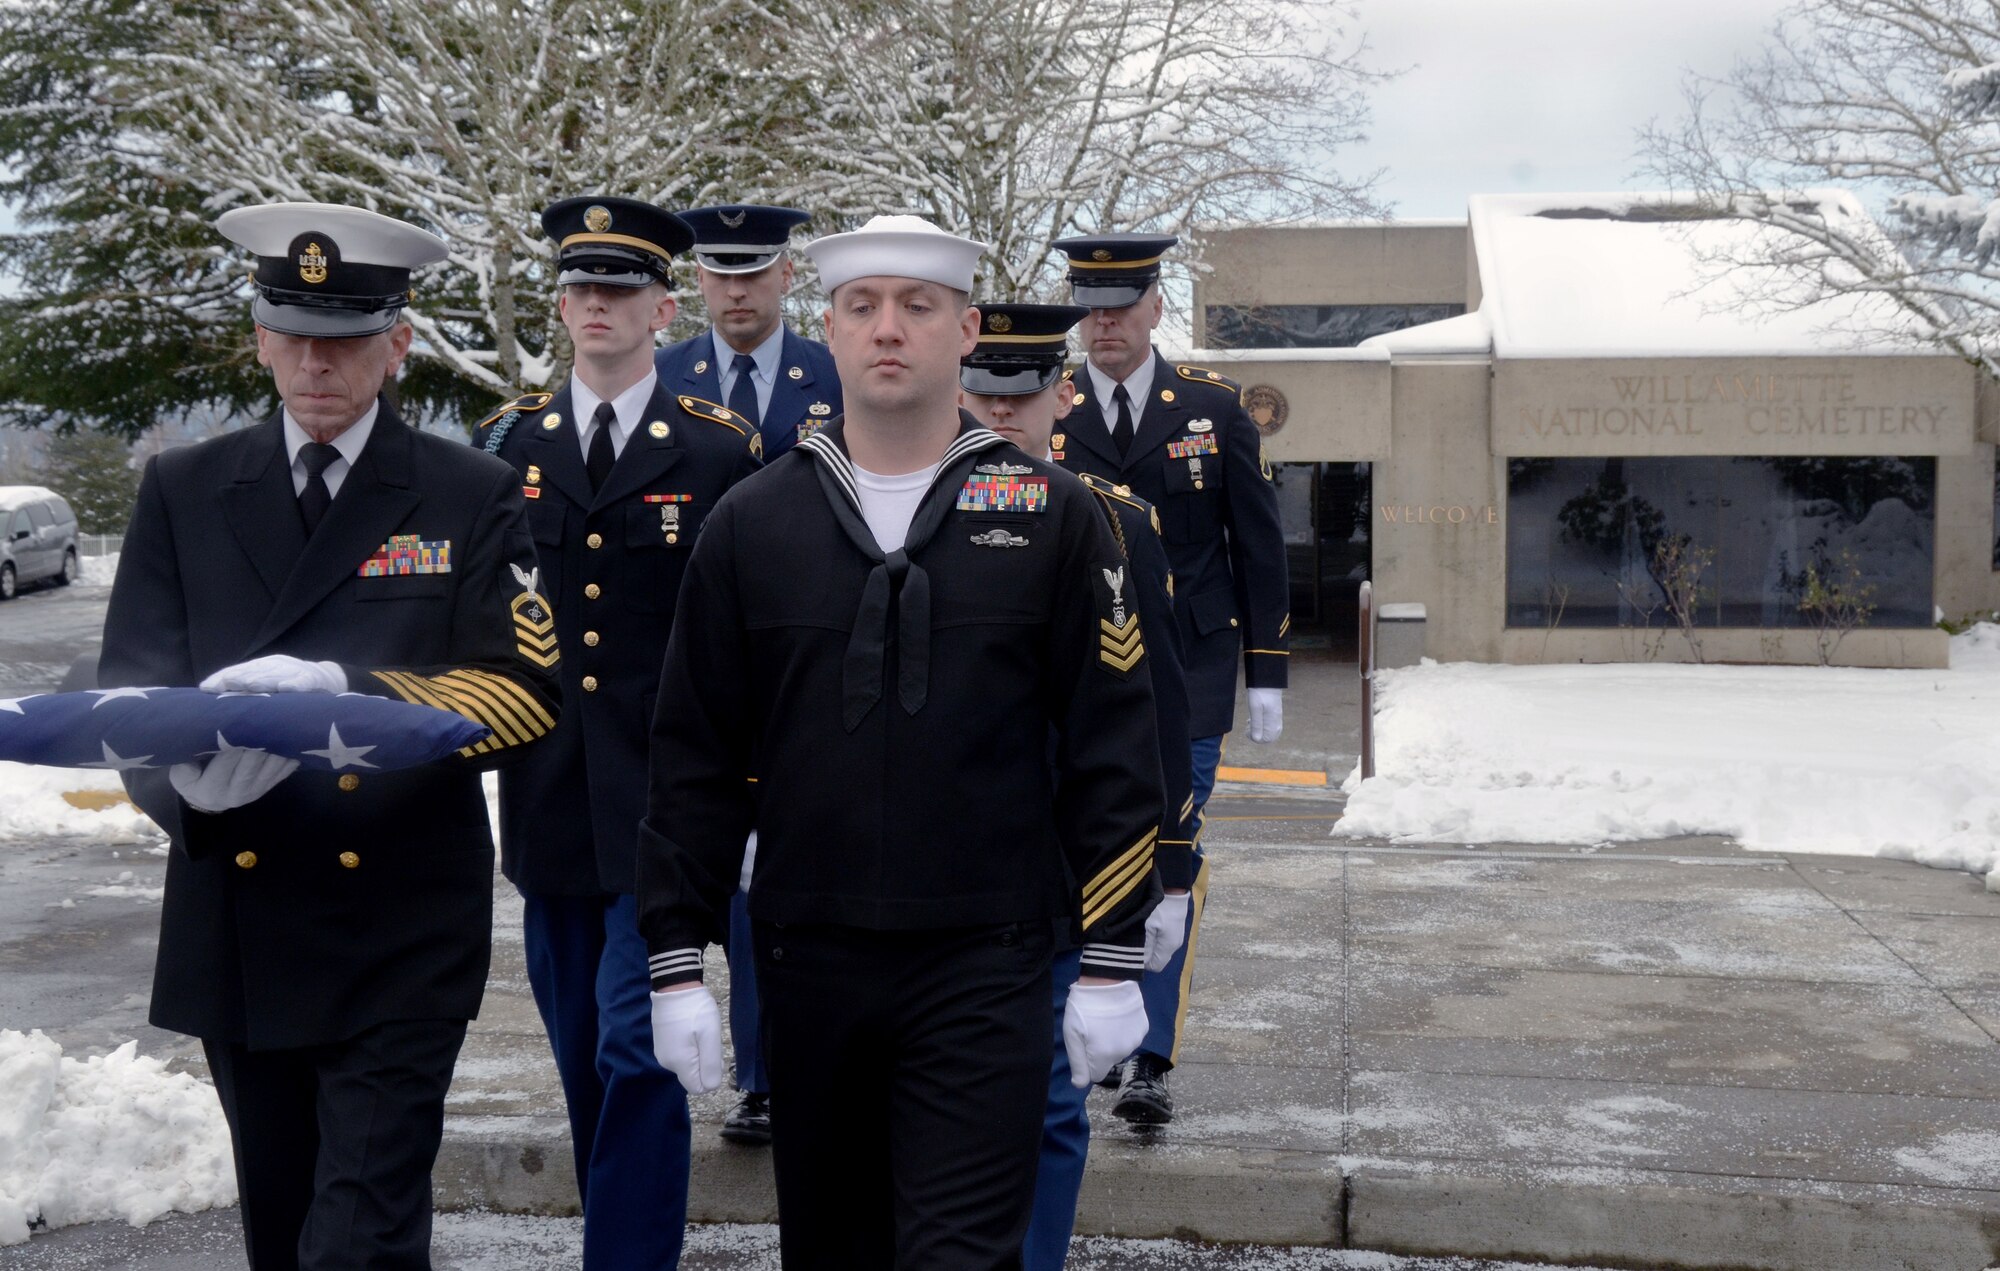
[120,728]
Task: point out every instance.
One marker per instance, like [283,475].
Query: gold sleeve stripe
[481,703]
[1187,809]
[1107,875]
[1135,873]
[1285,626]
[1276,653]
[523,703]
[470,705]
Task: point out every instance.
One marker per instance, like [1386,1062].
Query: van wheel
[7,587]
[69,570]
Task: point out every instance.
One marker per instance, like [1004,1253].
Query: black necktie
[1121,432]
[315,498]
[599,458]
[743,393]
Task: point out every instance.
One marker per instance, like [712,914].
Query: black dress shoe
[750,1120]
[1142,1095]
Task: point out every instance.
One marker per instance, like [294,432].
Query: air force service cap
[613,241]
[1021,349]
[326,271]
[896,247]
[741,238]
[1111,271]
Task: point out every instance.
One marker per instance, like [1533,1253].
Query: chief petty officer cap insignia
[1111,271]
[326,271]
[614,242]
[896,247]
[741,238]
[1021,349]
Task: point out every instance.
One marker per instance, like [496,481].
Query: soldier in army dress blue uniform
[787,385]
[1013,382]
[619,470]
[326,934]
[1179,438]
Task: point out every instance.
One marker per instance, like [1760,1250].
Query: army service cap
[1111,271]
[1022,349]
[741,238]
[327,271]
[896,247]
[613,241]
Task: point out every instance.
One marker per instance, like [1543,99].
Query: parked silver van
[38,541]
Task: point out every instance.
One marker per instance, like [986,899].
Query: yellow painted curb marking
[1272,776]
[94,800]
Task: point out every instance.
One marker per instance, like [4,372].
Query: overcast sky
[1533,95]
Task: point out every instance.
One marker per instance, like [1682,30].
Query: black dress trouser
[909,1072]
[334,1145]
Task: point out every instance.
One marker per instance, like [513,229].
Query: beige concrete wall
[1733,406]
[1344,264]
[1334,404]
[1440,510]
[1966,581]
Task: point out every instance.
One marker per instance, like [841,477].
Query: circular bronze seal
[1000,324]
[1267,407]
[597,218]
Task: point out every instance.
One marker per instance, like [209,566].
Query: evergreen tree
[94,471]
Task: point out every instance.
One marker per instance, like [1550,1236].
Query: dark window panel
[1314,326]
[1583,536]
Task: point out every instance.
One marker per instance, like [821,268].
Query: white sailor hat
[328,271]
[896,247]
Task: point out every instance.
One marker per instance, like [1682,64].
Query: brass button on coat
[348,860]
[246,860]
[348,781]
[592,592]
[590,683]
[594,541]
[590,638]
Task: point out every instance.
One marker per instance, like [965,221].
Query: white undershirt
[889,504]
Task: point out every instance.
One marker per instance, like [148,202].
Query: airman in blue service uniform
[619,470]
[1013,382]
[787,384]
[791,389]
[1179,437]
[326,935]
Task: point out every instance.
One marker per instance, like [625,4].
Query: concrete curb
[1230,1195]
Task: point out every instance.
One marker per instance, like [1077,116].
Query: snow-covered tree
[1897,100]
[133,123]
[1019,122]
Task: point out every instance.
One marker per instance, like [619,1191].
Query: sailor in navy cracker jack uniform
[748,359]
[1179,438]
[326,935]
[1013,383]
[620,472]
[907,656]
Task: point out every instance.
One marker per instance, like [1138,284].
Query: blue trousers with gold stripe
[1166,991]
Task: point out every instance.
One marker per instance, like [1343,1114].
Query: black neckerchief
[894,575]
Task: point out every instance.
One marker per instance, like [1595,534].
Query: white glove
[1166,928]
[231,779]
[749,863]
[1102,1025]
[687,1037]
[1267,714]
[278,673]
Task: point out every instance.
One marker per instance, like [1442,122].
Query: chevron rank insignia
[534,625]
[408,554]
[1119,646]
[984,493]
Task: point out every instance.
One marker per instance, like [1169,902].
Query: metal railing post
[1367,667]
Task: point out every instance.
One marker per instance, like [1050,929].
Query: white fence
[99,544]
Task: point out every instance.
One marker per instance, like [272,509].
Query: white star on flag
[116,762]
[338,754]
[113,694]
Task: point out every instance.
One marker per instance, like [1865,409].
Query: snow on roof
[18,496]
[1643,275]
[1203,357]
[1467,333]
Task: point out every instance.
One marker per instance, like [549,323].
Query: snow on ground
[1782,759]
[114,1137]
[97,571]
[32,807]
